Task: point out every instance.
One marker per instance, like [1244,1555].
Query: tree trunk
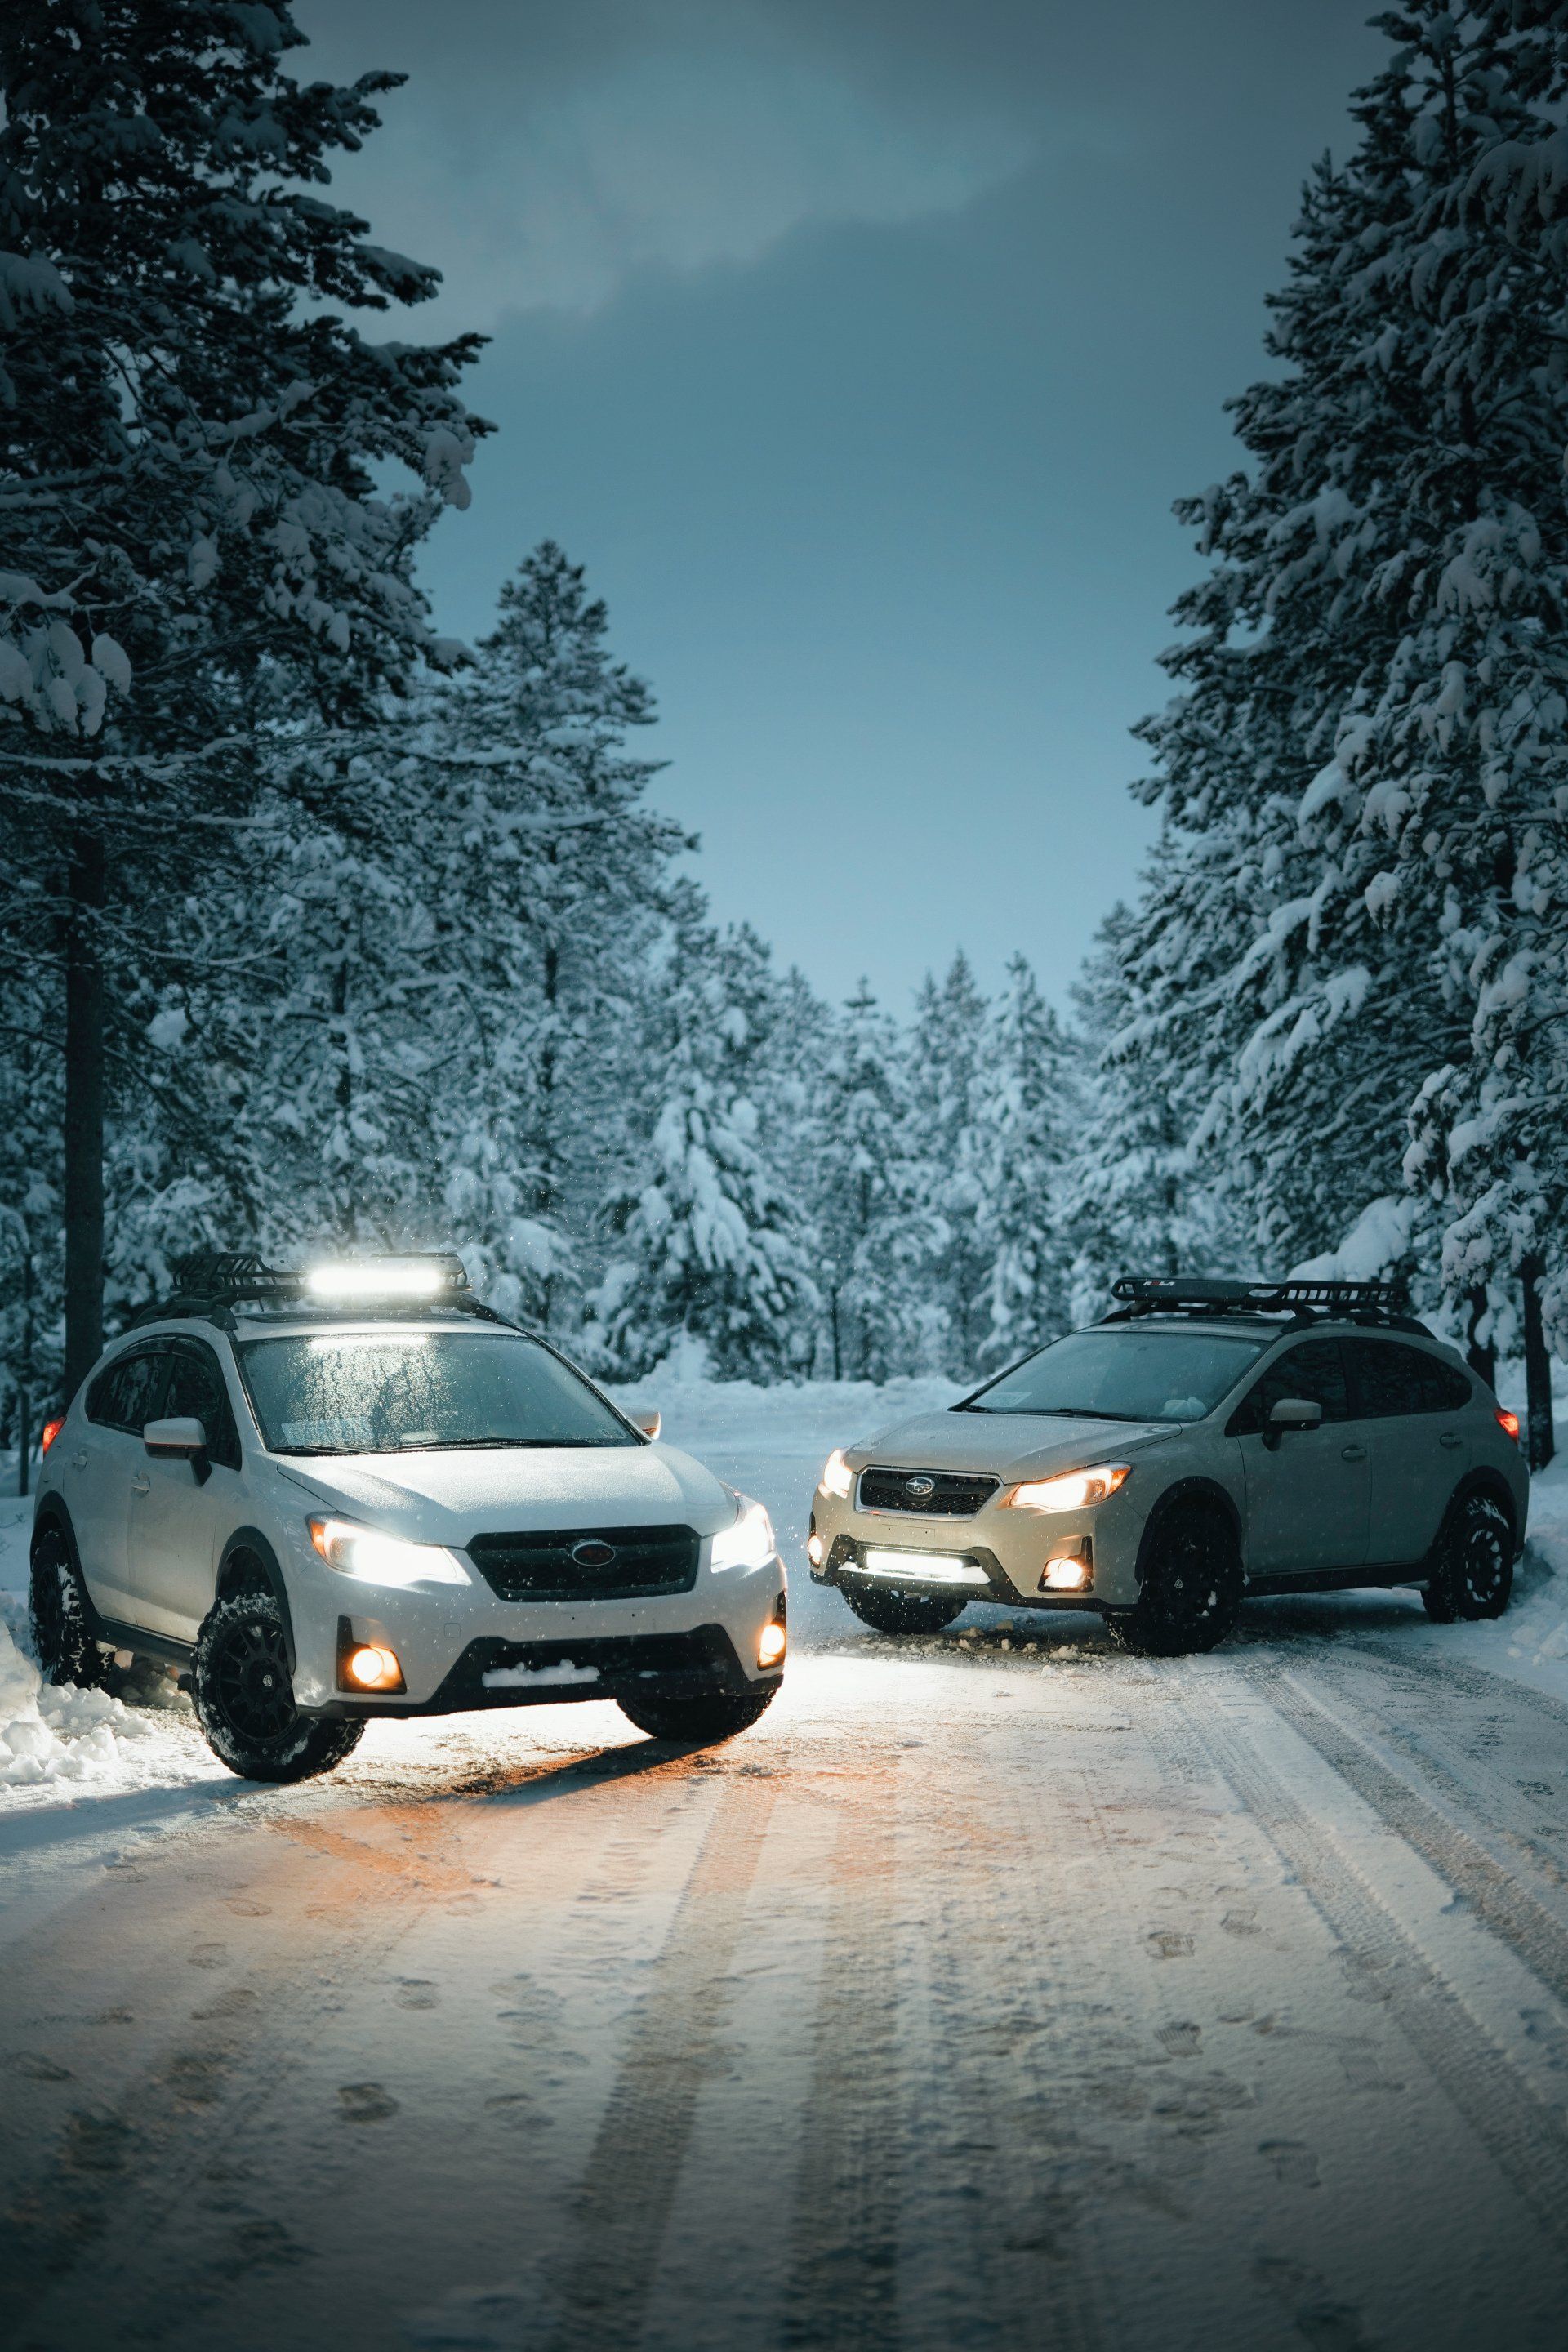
[84,1113]
[1481,1355]
[1537,1367]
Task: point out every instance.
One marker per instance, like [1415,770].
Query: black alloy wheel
[1192,1587]
[895,1609]
[62,1643]
[1472,1565]
[244,1696]
[696,1722]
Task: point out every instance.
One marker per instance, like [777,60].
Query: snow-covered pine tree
[945,1045]
[877,1241]
[547,879]
[190,440]
[710,1248]
[1027,1113]
[1365,773]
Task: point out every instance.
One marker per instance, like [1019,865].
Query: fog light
[771,1646]
[815,1548]
[1065,1576]
[374,1668]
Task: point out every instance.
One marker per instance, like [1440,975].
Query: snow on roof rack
[1179,1294]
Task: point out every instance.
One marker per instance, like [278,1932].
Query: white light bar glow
[921,1567]
[383,1278]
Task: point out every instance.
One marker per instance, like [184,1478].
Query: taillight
[53,1428]
[1508,1421]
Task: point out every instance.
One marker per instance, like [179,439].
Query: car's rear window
[403,1392]
[1129,1373]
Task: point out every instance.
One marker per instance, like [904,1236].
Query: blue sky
[859,347]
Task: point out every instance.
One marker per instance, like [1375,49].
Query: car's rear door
[106,1454]
[1414,1405]
[1308,1489]
[178,1523]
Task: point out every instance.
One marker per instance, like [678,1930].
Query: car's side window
[1315,1371]
[196,1389]
[125,1393]
[1392,1381]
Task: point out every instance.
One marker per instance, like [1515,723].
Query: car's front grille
[588,1563]
[931,1494]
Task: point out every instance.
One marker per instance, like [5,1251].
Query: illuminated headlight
[1075,1491]
[747,1541]
[371,1557]
[837,1478]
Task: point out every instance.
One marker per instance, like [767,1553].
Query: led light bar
[921,1567]
[386,1278]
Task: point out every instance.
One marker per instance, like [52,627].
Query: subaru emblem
[922,1485]
[593,1552]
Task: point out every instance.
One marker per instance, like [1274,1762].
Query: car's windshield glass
[396,1391]
[1127,1375]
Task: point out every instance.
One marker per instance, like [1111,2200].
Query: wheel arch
[1196,1492]
[1484,1480]
[247,1545]
[53,1518]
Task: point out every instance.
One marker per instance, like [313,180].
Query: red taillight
[1508,1421]
[53,1428]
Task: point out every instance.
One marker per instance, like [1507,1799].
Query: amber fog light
[813,1550]
[374,1668]
[1065,1576]
[771,1646]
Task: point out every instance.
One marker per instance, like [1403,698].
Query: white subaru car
[1208,1439]
[355,1492]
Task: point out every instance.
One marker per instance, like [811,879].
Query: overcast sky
[859,347]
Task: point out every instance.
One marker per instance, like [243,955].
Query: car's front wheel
[1472,1565]
[244,1696]
[56,1620]
[697,1722]
[1191,1588]
[893,1609]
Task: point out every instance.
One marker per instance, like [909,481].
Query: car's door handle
[1449,1439]
[79,1461]
[1353,1453]
[139,1485]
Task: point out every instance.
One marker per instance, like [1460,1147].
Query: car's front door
[1307,1489]
[178,1522]
[106,1455]
[1412,1405]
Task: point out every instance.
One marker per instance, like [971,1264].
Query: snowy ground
[995,1990]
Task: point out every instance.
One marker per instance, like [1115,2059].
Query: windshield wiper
[1055,1412]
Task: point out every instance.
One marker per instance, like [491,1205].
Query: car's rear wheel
[244,1696]
[56,1620]
[1472,1563]
[894,1609]
[697,1722]
[1192,1586]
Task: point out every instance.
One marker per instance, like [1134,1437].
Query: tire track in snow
[1504,1907]
[1524,2138]
[627,2189]
[842,2288]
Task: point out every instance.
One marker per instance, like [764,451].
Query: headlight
[371,1557]
[747,1541]
[837,1477]
[1074,1491]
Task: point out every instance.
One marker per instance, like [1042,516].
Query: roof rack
[1304,1301]
[210,1284]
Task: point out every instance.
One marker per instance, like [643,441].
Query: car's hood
[450,1497]
[1010,1445]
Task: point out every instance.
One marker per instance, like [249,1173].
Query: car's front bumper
[1012,1547]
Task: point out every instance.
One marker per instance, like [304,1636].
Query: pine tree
[191,439]
[943,1150]
[1028,1112]
[877,1240]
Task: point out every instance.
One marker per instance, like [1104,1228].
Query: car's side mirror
[648,1422]
[1293,1413]
[181,1438]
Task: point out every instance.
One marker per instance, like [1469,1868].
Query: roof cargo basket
[1307,1301]
[210,1284]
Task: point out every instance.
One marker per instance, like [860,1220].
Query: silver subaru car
[1208,1439]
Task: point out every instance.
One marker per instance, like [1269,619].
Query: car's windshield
[1126,1374]
[396,1391]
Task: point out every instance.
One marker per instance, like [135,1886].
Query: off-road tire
[697,1722]
[1471,1568]
[63,1647]
[893,1609]
[244,1696]
[1192,1587]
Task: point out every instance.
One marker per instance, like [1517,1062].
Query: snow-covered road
[995,1990]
